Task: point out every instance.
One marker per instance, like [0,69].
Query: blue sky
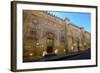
[77,18]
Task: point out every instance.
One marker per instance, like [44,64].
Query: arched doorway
[50,43]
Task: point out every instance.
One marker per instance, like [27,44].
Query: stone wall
[39,27]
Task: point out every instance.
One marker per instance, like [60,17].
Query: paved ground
[72,56]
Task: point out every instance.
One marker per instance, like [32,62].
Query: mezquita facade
[44,33]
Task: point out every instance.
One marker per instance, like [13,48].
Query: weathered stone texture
[42,30]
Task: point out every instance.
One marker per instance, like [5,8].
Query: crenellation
[45,33]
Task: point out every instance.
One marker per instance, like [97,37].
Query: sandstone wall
[38,26]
